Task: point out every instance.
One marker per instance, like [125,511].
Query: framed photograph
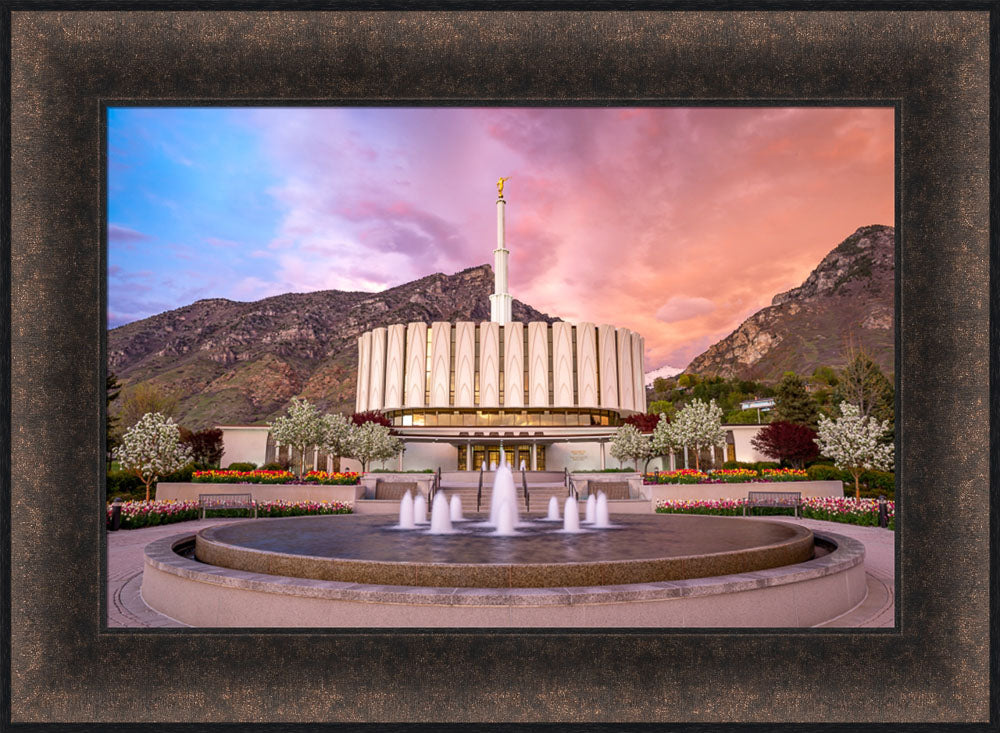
[762,201]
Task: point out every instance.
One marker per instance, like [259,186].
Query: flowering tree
[336,436]
[787,441]
[301,428]
[664,439]
[854,442]
[628,444]
[372,442]
[151,448]
[698,425]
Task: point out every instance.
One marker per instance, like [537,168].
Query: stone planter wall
[708,492]
[261,492]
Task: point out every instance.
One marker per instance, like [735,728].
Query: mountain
[847,300]
[665,371]
[230,362]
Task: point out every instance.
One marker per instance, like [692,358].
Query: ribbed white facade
[489,365]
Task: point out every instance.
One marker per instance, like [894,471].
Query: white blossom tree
[628,444]
[699,425]
[152,448]
[302,428]
[854,442]
[664,438]
[372,442]
[336,436]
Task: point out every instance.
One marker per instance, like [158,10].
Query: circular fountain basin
[640,549]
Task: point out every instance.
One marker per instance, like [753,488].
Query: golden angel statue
[500,186]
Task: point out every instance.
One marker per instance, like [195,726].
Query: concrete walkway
[126,608]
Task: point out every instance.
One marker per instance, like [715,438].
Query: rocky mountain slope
[847,299]
[229,362]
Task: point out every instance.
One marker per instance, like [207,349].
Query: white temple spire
[500,301]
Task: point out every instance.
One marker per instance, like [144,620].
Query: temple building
[550,394]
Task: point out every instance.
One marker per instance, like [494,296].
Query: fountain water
[406,512]
[456,509]
[571,516]
[553,510]
[506,519]
[420,509]
[440,516]
[503,491]
[602,518]
[591,513]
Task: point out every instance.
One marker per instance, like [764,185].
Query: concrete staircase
[541,486]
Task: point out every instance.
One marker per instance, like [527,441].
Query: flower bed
[831,509]
[726,476]
[332,479]
[273,477]
[137,514]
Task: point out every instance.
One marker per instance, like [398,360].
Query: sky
[678,223]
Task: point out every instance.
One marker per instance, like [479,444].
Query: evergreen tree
[793,404]
[863,384]
[111,437]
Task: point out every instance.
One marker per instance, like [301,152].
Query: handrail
[570,491]
[479,494]
[436,484]
[527,498]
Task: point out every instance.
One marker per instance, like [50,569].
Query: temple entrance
[491,455]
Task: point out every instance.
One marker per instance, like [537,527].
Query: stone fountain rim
[161,555]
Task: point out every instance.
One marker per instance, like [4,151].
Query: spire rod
[500,301]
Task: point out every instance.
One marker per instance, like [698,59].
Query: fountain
[440,516]
[571,516]
[456,509]
[420,509]
[591,513]
[553,515]
[505,519]
[503,491]
[406,512]
[603,518]
[652,570]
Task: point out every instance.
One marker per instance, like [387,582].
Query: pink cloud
[675,222]
[118,233]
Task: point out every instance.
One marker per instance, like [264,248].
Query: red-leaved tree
[643,422]
[360,418]
[787,441]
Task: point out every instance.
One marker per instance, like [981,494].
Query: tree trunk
[697,457]
[336,464]
[148,485]
[857,486]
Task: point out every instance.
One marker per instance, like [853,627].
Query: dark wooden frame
[66,666]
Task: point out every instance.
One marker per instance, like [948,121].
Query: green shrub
[272,466]
[879,481]
[761,465]
[121,483]
[241,466]
[739,464]
[825,472]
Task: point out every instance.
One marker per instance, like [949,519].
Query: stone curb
[160,555]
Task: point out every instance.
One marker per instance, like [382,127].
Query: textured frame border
[66,667]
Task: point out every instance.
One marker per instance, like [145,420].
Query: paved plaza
[126,608]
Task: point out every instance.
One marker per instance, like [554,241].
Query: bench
[611,489]
[226,501]
[773,499]
[394,489]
